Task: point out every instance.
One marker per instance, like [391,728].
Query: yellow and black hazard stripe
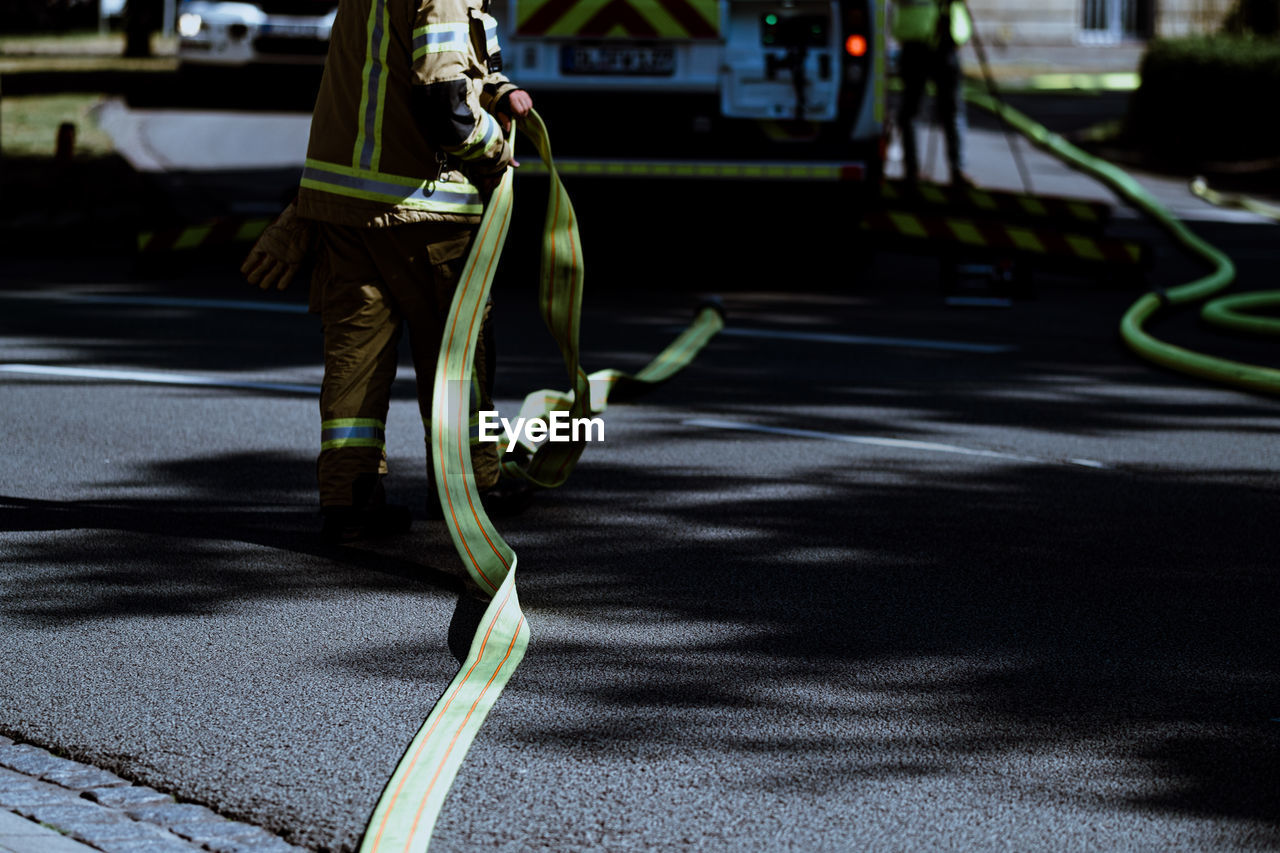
[1083,213]
[760,170]
[994,235]
[217,232]
[630,19]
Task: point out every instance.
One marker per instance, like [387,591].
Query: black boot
[368,517]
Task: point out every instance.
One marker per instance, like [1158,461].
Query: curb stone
[68,806]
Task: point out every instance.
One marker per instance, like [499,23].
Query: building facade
[1093,22]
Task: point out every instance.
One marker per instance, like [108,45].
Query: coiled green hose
[1249,376]
[1231,312]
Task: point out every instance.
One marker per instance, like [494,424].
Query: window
[1110,21]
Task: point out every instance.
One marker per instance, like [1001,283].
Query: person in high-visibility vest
[408,138]
[930,33]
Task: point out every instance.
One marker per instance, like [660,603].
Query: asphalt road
[873,573]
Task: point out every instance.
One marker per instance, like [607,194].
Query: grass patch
[68,43]
[84,51]
[29,125]
[1104,132]
[76,43]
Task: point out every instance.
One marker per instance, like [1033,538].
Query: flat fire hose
[1249,376]
[405,815]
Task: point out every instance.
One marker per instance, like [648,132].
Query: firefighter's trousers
[369,284]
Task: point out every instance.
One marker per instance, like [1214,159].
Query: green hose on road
[1248,376]
[1232,312]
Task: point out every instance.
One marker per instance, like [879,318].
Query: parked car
[222,32]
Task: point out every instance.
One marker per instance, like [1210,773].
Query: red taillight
[856,45]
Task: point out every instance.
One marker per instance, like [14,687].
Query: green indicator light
[771,19]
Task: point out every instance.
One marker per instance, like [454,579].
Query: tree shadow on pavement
[183,554]
[208,610]
[1093,640]
[1090,639]
[817,622]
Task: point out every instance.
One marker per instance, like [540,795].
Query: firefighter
[408,138]
[930,33]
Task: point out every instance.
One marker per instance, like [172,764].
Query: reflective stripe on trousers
[352,432]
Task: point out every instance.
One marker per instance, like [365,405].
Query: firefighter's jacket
[404,114]
[918,21]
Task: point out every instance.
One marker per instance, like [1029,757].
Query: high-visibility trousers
[370,283]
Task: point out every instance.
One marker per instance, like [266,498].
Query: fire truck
[797,81]
[789,89]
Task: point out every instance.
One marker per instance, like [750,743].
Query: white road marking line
[296,308]
[1089,463]
[154,377]
[867,340]
[899,443]
[165,302]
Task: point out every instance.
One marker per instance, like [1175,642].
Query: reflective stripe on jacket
[404,112]
[917,21]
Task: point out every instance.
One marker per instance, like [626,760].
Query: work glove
[487,180]
[515,102]
[280,251]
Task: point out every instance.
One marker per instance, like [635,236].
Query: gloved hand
[516,103]
[280,251]
[487,181]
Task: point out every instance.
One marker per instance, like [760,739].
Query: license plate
[294,31]
[646,60]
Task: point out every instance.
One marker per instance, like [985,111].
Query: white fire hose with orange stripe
[407,811]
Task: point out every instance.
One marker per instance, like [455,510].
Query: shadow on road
[909,620]
[138,558]
[924,619]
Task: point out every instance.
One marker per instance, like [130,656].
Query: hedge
[1257,17]
[1208,98]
